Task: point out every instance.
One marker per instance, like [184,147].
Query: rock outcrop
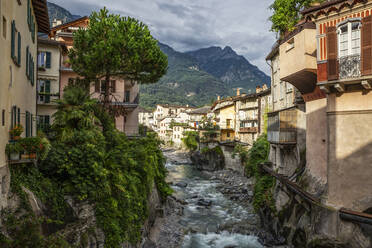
[210,160]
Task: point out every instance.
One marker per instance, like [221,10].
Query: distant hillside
[183,84]
[57,12]
[231,68]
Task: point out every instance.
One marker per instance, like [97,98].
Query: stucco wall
[350,150]
[316,139]
[15,88]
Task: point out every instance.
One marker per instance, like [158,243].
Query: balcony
[127,105]
[282,127]
[248,130]
[46,98]
[298,63]
[349,67]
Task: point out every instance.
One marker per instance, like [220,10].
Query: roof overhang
[42,16]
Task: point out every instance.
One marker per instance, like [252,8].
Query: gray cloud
[190,25]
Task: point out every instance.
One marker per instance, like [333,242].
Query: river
[210,218]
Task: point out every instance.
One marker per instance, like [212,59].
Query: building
[286,118]
[179,130]
[166,129]
[165,110]
[20,24]
[125,93]
[197,116]
[328,59]
[225,118]
[146,118]
[48,80]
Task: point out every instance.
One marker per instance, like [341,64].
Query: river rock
[181,184]
[205,203]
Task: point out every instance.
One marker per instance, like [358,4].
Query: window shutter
[28,14]
[47,120]
[27,124]
[48,59]
[366,46]
[47,91]
[13,40]
[96,86]
[31,124]
[19,48]
[19,116]
[332,53]
[27,58]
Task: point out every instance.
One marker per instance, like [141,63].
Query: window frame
[349,24]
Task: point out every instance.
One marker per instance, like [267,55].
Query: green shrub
[190,140]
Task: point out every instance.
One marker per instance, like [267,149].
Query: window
[43,122]
[44,60]
[103,86]
[113,86]
[16,44]
[349,39]
[127,96]
[44,91]
[28,124]
[4,27]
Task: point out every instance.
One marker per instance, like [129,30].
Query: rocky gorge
[209,208]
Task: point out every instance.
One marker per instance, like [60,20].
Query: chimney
[218,98]
[238,92]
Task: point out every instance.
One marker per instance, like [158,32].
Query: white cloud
[193,24]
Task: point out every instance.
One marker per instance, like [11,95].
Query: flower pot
[14,156]
[32,155]
[25,156]
[16,137]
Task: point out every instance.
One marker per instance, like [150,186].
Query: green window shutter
[27,67]
[28,14]
[33,29]
[48,59]
[27,124]
[19,48]
[31,122]
[13,40]
[47,91]
[19,116]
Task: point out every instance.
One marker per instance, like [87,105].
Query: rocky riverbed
[207,209]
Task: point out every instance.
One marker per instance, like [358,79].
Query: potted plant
[32,146]
[13,151]
[16,131]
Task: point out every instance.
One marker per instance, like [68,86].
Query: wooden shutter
[31,124]
[28,14]
[19,49]
[48,59]
[96,86]
[19,116]
[47,91]
[47,120]
[13,40]
[332,53]
[366,46]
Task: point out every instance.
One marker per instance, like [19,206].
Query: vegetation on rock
[190,140]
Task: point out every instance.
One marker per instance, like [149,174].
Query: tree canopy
[113,46]
[287,13]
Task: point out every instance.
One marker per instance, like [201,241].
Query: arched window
[349,38]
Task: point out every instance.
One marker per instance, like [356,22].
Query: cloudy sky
[192,24]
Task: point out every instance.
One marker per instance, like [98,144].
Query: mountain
[194,78]
[57,12]
[183,84]
[231,68]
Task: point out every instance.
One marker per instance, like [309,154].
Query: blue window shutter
[48,59]
[13,40]
[47,91]
[19,48]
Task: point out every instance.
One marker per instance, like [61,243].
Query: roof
[49,42]
[175,106]
[331,5]
[199,111]
[274,51]
[41,14]
[68,24]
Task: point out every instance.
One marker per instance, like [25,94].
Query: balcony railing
[46,98]
[248,130]
[349,66]
[282,127]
